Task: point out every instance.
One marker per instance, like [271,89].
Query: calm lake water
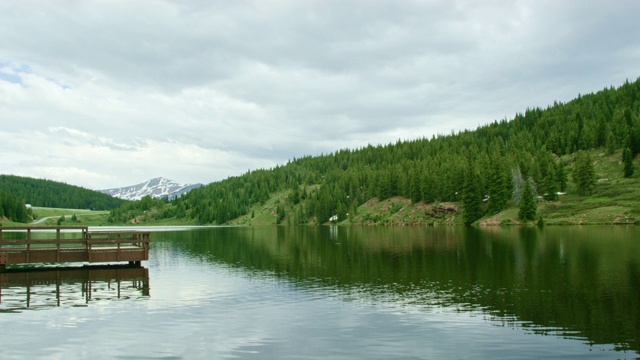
[340,293]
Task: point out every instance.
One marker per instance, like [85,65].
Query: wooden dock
[71,244]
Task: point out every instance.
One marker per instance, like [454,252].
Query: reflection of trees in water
[567,280]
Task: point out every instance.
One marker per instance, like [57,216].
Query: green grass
[83,217]
[265,214]
[615,199]
[44,212]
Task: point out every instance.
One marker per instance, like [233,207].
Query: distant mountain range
[156,188]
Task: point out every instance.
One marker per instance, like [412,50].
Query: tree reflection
[573,281]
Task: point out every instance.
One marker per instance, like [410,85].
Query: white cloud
[199,91]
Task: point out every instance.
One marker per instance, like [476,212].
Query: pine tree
[342,211]
[471,196]
[627,159]
[611,144]
[634,139]
[550,184]
[414,186]
[280,214]
[561,177]
[498,185]
[584,175]
[528,204]
[294,196]
[498,190]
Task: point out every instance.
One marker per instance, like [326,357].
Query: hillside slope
[616,200]
[473,176]
[47,193]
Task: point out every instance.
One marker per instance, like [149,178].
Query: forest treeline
[13,208]
[47,193]
[487,169]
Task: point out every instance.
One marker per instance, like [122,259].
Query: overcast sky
[105,94]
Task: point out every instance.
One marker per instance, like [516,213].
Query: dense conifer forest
[47,193]
[13,209]
[507,163]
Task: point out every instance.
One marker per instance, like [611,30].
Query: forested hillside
[508,163]
[47,193]
[13,209]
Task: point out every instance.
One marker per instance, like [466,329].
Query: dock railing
[71,244]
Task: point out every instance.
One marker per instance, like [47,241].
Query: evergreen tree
[294,196]
[561,177]
[550,184]
[427,187]
[611,144]
[280,214]
[471,196]
[342,211]
[498,185]
[584,175]
[634,139]
[414,186]
[301,215]
[498,190]
[528,204]
[627,159]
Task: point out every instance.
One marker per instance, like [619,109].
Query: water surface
[340,293]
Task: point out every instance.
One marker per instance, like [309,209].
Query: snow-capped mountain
[157,188]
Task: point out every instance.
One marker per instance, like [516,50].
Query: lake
[339,293]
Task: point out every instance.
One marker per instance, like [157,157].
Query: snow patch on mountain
[156,188]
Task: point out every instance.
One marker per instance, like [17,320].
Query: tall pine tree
[528,206]
[471,195]
[627,159]
[584,175]
[498,184]
[561,176]
[550,184]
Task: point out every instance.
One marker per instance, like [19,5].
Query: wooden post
[3,261]
[89,288]
[28,290]
[3,266]
[58,287]
[145,244]
[145,283]
[3,257]
[87,237]
[28,244]
[58,245]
